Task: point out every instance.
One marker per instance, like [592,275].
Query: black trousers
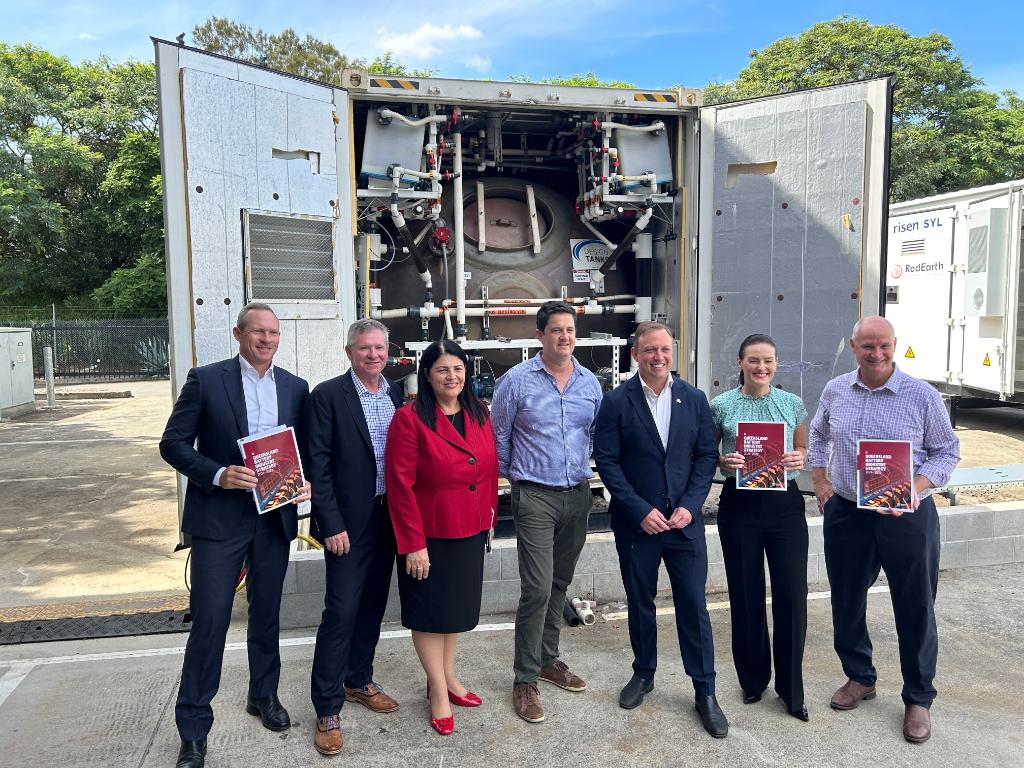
[754,525]
[686,561]
[858,543]
[357,586]
[215,567]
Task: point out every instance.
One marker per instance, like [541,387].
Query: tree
[68,136]
[590,79]
[948,133]
[288,52]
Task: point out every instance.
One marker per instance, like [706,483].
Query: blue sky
[654,43]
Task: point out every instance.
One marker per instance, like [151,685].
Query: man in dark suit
[219,404]
[346,424]
[655,449]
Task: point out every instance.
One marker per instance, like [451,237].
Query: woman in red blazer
[441,472]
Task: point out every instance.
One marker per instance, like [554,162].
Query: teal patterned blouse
[733,406]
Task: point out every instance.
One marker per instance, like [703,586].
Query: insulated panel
[286,352]
[272,133]
[320,351]
[783,233]
[209,263]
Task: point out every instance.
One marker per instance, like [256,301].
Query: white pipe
[481,219]
[460,239]
[657,125]
[581,309]
[528,302]
[597,232]
[386,113]
[448,325]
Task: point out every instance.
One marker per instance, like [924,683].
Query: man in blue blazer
[346,425]
[655,449]
[219,404]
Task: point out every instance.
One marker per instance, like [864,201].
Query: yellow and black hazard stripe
[664,98]
[394,82]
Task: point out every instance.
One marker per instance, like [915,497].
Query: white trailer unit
[456,207]
[953,290]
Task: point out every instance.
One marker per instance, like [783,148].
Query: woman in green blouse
[755,524]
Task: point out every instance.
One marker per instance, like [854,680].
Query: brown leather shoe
[372,697]
[558,673]
[917,724]
[328,736]
[526,700]
[851,694]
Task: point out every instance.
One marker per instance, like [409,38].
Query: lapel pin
[678,400]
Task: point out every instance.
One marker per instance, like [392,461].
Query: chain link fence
[97,348]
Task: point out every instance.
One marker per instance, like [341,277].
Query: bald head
[873,325]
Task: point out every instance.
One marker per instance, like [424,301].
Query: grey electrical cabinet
[16,394]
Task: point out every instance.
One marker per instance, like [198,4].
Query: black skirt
[448,600]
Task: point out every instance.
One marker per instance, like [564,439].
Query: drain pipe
[644,277]
[641,223]
[460,243]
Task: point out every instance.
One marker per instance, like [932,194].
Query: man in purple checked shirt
[878,401]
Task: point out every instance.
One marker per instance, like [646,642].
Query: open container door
[918,290]
[792,212]
[990,271]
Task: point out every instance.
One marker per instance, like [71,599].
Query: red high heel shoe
[469,700]
[443,725]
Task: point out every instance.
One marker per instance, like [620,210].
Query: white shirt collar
[248,370]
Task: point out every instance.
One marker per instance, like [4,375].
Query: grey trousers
[551,529]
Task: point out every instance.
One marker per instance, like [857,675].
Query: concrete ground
[91,513]
[90,510]
[110,702]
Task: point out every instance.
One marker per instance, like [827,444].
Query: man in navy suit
[346,424]
[219,404]
[655,448]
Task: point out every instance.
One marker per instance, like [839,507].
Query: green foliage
[387,64]
[288,52]
[78,164]
[135,290]
[590,79]
[948,133]
[308,57]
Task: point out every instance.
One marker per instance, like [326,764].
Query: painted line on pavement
[669,610]
[14,676]
[63,477]
[80,440]
[141,653]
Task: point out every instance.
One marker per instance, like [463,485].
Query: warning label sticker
[986,361]
[910,353]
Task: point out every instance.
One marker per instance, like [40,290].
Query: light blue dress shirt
[543,435]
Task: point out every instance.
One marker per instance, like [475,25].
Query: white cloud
[87,36]
[478,62]
[425,41]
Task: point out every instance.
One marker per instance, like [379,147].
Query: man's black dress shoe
[752,698]
[192,754]
[631,696]
[800,714]
[270,711]
[712,716]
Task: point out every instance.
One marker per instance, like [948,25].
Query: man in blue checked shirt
[880,402]
[543,417]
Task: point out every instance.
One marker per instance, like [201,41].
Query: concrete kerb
[990,534]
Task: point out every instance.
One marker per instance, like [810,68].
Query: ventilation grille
[290,259]
[977,250]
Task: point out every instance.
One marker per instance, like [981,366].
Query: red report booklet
[274,457]
[885,475]
[762,444]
